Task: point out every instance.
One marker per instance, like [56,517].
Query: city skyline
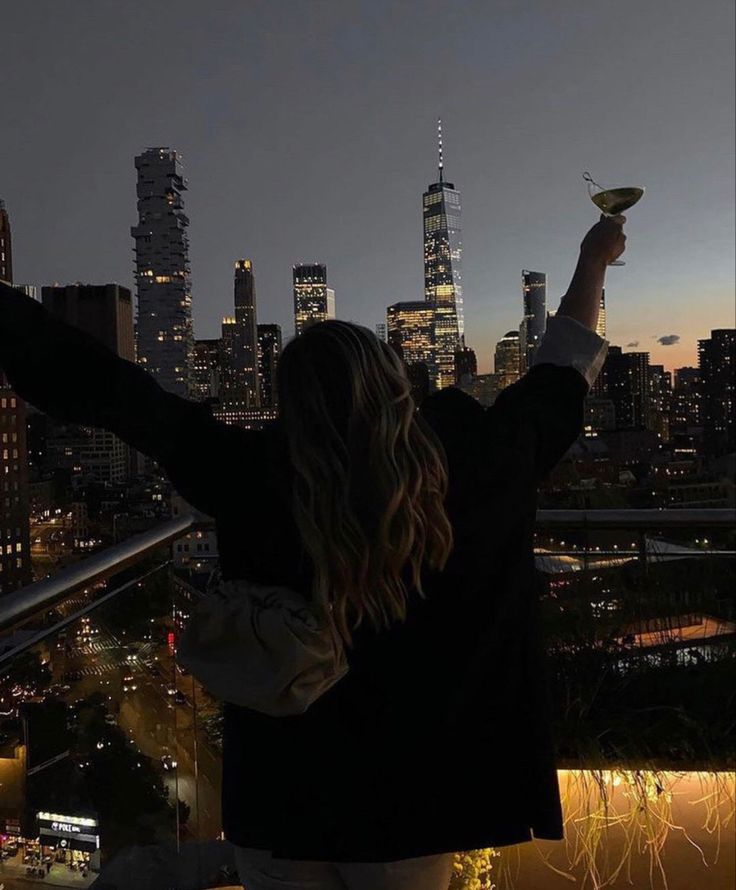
[514,151]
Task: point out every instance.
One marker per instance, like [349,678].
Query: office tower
[313,300]
[534,322]
[15,542]
[246,338]
[206,370]
[411,332]
[381,332]
[717,365]
[660,401]
[269,350]
[507,359]
[105,312]
[600,328]
[30,290]
[6,246]
[165,339]
[442,269]
[624,379]
[466,362]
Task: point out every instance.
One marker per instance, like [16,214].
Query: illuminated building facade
[660,401]
[534,322]
[246,337]
[164,329]
[600,327]
[105,312]
[717,365]
[15,544]
[269,351]
[313,300]
[411,332]
[686,400]
[229,391]
[206,370]
[506,360]
[624,379]
[442,212]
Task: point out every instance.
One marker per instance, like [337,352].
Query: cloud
[668,339]
[632,345]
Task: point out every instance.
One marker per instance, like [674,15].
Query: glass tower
[534,323]
[442,269]
[165,334]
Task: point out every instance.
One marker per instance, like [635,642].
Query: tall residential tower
[164,328]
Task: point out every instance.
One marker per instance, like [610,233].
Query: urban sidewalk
[13,873]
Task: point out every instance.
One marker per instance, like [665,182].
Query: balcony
[110,754]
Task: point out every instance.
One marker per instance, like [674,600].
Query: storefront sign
[68,832]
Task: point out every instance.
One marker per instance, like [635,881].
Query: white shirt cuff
[568,343]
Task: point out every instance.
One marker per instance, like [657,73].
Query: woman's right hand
[605,241]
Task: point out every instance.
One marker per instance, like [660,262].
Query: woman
[437,739]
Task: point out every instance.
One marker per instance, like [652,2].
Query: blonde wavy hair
[370,473]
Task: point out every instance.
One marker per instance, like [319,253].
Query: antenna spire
[439,148]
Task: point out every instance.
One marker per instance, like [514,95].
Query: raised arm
[71,376]
[548,401]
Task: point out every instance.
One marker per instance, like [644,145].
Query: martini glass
[612,200]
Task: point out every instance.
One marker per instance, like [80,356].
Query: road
[148,714]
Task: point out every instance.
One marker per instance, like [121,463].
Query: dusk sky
[307,131]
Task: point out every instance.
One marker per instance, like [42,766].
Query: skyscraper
[600,328]
[534,322]
[381,331]
[6,246]
[624,379]
[269,350]
[717,364]
[164,328]
[229,390]
[15,541]
[507,359]
[206,370]
[246,338]
[106,313]
[442,269]
[313,300]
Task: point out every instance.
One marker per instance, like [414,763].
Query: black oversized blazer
[438,739]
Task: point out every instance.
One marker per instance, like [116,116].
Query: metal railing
[19,606]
